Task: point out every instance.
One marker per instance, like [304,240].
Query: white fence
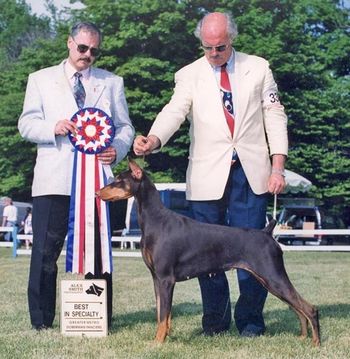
[132,240]
[308,233]
[116,253]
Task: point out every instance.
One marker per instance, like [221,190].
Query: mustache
[215,57]
[87,59]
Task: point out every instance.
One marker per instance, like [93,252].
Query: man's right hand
[64,126]
[145,145]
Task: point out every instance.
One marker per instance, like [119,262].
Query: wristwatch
[278,172]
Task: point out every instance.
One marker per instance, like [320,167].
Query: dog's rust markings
[168,324]
[163,322]
[162,331]
[148,259]
[116,191]
[176,248]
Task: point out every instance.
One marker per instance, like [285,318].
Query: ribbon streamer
[95,133]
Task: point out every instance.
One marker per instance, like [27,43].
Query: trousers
[50,226]
[239,207]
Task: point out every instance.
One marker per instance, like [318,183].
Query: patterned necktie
[79,91]
[226,94]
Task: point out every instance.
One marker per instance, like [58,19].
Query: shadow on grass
[286,320]
[278,321]
[131,319]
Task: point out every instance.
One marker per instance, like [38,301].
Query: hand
[64,126]
[108,156]
[145,145]
[276,183]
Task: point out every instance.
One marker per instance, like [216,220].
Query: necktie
[225,89]
[79,91]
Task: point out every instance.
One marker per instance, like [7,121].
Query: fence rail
[132,240]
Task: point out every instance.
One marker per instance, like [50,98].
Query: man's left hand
[276,183]
[108,156]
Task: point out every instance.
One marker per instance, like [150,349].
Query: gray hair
[88,27]
[231,27]
[6,199]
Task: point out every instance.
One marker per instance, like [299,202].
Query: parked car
[334,222]
[172,195]
[299,216]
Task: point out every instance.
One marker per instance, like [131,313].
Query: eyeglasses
[220,48]
[84,48]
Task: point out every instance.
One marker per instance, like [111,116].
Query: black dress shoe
[40,327]
[211,332]
[252,331]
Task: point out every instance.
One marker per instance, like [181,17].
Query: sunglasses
[220,48]
[84,48]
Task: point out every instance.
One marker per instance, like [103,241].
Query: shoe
[40,327]
[212,332]
[252,331]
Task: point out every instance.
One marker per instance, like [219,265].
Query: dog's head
[124,185]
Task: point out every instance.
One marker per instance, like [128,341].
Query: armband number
[274,97]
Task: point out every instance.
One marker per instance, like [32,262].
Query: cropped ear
[136,170]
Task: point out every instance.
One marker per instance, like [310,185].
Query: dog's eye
[118,181]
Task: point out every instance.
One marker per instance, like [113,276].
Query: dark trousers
[50,225]
[239,207]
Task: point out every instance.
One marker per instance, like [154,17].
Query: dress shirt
[70,71]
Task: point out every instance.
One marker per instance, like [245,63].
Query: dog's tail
[269,228]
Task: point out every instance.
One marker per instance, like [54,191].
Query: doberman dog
[176,248]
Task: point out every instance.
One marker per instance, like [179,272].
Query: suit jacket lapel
[63,90]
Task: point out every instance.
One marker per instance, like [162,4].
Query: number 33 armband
[271,98]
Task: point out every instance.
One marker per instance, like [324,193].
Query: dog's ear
[136,170]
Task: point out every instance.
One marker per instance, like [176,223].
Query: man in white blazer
[228,176]
[48,107]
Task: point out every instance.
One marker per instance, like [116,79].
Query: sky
[38,6]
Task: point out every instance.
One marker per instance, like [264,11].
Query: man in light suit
[229,173]
[48,106]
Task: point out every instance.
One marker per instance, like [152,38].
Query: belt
[234,158]
[234,155]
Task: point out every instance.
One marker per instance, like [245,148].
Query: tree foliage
[307,43]
[35,48]
[18,29]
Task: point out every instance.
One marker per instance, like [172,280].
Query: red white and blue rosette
[95,131]
[88,214]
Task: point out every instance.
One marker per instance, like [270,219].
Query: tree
[307,43]
[18,156]
[146,42]
[18,29]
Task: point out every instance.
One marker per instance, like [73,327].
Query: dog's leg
[169,324]
[305,311]
[272,274]
[303,325]
[164,290]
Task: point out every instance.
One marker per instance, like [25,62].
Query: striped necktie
[226,93]
[79,91]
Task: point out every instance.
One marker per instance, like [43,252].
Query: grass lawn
[321,278]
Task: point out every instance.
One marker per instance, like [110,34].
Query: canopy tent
[295,184]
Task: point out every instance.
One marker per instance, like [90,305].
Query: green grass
[321,278]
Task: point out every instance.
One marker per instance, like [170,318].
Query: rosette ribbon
[95,133]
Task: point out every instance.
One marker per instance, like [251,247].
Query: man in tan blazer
[229,175]
[48,106]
